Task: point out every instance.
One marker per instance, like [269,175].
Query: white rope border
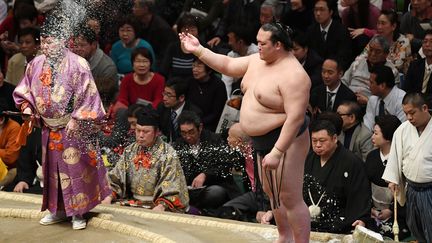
[264,232]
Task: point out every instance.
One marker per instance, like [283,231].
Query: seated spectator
[246,206]
[208,92]
[309,59]
[236,12]
[386,97]
[382,198]
[357,76]
[9,148]
[400,47]
[121,50]
[24,15]
[142,85]
[154,28]
[360,17]
[207,12]
[418,77]
[86,46]
[206,162]
[270,11]
[355,136]
[336,187]
[329,95]
[29,43]
[6,90]
[240,41]
[176,63]
[173,104]
[329,37]
[412,21]
[300,15]
[29,160]
[149,170]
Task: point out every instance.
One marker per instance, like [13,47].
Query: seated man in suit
[336,187]
[173,104]
[386,97]
[329,37]
[355,136]
[309,58]
[328,96]
[206,161]
[418,77]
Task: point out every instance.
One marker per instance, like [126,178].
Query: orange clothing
[9,149]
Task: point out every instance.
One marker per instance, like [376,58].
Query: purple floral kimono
[74,174]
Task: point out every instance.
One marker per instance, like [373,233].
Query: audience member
[121,50]
[29,43]
[419,72]
[6,90]
[336,187]
[208,92]
[29,160]
[386,96]
[300,15]
[382,198]
[149,170]
[86,45]
[355,136]
[400,47]
[357,76]
[9,148]
[360,17]
[176,63]
[270,11]
[412,22]
[329,37]
[173,103]
[309,58]
[142,85]
[154,28]
[240,41]
[247,206]
[237,12]
[329,95]
[206,162]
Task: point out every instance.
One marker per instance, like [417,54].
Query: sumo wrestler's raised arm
[234,67]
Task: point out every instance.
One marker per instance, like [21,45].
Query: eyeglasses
[188,133]
[344,114]
[166,94]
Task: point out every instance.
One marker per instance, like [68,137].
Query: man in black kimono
[336,187]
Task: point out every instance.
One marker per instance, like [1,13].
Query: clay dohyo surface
[20,213]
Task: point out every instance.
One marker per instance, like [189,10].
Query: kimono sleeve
[171,190]
[88,104]
[117,177]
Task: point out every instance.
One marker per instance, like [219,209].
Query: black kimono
[343,187]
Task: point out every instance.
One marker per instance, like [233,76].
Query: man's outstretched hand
[189,43]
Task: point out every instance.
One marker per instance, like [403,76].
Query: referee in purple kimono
[59,90]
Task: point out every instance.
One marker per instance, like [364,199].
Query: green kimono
[158,175]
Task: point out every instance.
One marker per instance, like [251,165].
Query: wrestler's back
[262,107]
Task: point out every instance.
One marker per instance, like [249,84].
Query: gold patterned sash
[54,123]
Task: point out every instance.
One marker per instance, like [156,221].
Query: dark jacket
[319,97]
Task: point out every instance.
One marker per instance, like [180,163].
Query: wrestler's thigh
[295,157]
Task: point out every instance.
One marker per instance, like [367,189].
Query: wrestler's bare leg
[292,217]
